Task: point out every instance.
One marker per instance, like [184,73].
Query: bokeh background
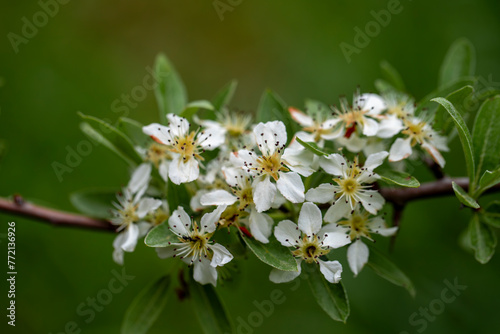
[92,52]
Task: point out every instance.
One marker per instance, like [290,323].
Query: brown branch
[20,207]
[397,196]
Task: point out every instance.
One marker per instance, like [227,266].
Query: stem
[397,196]
[20,207]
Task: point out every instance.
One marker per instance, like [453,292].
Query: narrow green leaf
[160,236]
[392,76]
[488,180]
[192,108]
[483,239]
[313,147]
[209,309]
[96,203]
[133,130]
[112,138]
[177,195]
[314,107]
[486,137]
[426,104]
[386,269]
[399,178]
[331,297]
[459,62]
[465,138]
[146,307]
[272,108]
[457,98]
[225,95]
[491,214]
[463,197]
[272,253]
[384,87]
[170,91]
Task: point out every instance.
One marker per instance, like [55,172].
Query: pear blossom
[418,131]
[131,211]
[316,128]
[185,146]
[194,246]
[260,224]
[357,224]
[310,242]
[277,163]
[362,115]
[352,184]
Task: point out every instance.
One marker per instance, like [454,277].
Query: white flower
[195,247]
[352,184]
[316,128]
[260,224]
[131,211]
[185,146]
[421,132]
[276,162]
[365,110]
[310,241]
[356,224]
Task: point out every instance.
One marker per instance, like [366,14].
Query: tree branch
[397,196]
[20,207]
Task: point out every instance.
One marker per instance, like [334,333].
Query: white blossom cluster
[267,185]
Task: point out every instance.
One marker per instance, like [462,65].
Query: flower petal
[131,234]
[310,219]
[146,205]
[321,194]
[270,136]
[357,255]
[210,139]
[332,270]
[179,126]
[300,117]
[371,200]
[166,252]
[287,233]
[204,273]
[372,103]
[401,149]
[218,197]
[221,255]
[370,127]
[209,220]
[375,160]
[299,160]
[140,177]
[435,154]
[179,222]
[291,187]
[163,169]
[389,127]
[337,211]
[261,226]
[263,193]
[333,164]
[336,237]
[181,171]
[159,133]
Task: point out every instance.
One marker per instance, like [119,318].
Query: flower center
[357,225]
[156,153]
[354,116]
[197,244]
[187,147]
[349,186]
[416,132]
[245,197]
[128,214]
[310,249]
[271,165]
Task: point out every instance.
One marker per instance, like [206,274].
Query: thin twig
[20,207]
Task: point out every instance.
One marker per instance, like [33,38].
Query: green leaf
[465,137]
[192,108]
[486,137]
[314,107]
[463,197]
[272,108]
[331,297]
[392,76]
[386,269]
[170,91]
[399,178]
[97,203]
[160,236]
[224,96]
[133,130]
[209,309]
[457,98]
[272,253]
[146,307]
[488,180]
[313,147]
[459,62]
[483,239]
[384,87]
[177,195]
[112,138]
[491,214]
[425,103]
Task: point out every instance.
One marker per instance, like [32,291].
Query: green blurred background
[92,52]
